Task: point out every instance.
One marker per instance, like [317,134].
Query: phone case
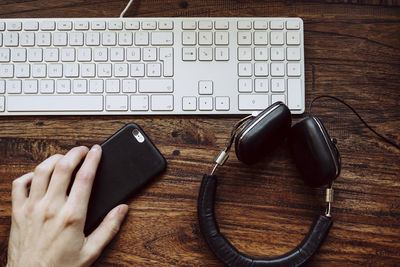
[126,166]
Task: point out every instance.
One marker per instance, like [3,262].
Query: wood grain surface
[352,51]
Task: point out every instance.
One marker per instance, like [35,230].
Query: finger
[61,177]
[42,176]
[82,187]
[19,192]
[106,231]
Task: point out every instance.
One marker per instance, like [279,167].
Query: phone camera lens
[138,135]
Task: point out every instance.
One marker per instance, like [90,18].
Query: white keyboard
[150,65]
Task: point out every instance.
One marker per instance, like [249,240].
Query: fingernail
[123,210]
[95,147]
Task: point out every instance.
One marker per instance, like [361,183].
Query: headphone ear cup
[263,134]
[315,155]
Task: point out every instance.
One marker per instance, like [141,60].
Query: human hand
[47,224]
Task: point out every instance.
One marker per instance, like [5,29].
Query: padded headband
[229,255]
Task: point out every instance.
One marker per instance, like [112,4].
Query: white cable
[126,9]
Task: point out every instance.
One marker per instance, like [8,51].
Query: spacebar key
[54,103]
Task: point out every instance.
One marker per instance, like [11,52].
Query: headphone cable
[126,9]
[355,112]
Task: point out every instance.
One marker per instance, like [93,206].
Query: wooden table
[352,51]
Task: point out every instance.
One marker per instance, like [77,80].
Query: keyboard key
[222,103]
[2,103]
[277,53]
[14,26]
[244,38]
[154,70]
[244,69]
[205,38]
[47,86]
[2,86]
[104,70]
[31,26]
[63,86]
[205,88]
[277,69]
[76,38]
[205,103]
[221,53]
[117,54]
[71,70]
[261,85]
[132,25]
[189,38]
[253,102]
[109,38]
[294,94]
[167,56]
[277,85]
[133,54]
[112,86]
[11,39]
[82,25]
[293,53]
[260,69]
[129,86]
[60,38]
[43,39]
[141,38]
[277,38]
[205,25]
[293,37]
[149,54]
[55,70]
[244,25]
[96,86]
[162,102]
[22,70]
[116,102]
[30,86]
[13,87]
[115,25]
[67,54]
[125,38]
[64,25]
[293,69]
[99,25]
[51,55]
[205,53]
[292,25]
[260,25]
[260,38]
[166,25]
[54,103]
[121,70]
[137,70]
[244,53]
[156,86]
[221,25]
[260,53]
[93,38]
[27,39]
[189,54]
[189,103]
[80,86]
[245,85]
[139,102]
[188,25]
[47,25]
[149,25]
[221,38]
[5,55]
[84,54]
[100,54]
[6,71]
[276,25]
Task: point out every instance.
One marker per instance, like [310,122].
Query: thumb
[105,232]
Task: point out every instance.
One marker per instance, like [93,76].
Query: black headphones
[316,157]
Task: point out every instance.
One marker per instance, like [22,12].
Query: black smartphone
[129,161]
